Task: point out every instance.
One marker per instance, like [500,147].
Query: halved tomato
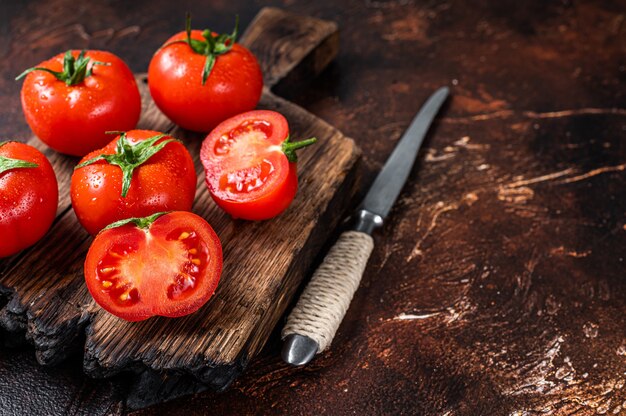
[167,264]
[250,164]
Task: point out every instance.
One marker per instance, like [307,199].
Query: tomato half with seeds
[250,165]
[28,196]
[167,264]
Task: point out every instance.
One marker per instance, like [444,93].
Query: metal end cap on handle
[299,349]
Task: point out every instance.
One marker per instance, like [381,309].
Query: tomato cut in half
[250,165]
[167,264]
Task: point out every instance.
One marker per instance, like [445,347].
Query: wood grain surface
[497,286]
[264,262]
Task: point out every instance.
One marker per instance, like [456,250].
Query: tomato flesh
[246,158]
[246,180]
[170,269]
[253,132]
[247,173]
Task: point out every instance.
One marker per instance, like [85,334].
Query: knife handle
[326,298]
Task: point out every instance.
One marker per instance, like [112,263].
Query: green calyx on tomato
[75,70]
[7,163]
[130,156]
[289,148]
[213,45]
[143,223]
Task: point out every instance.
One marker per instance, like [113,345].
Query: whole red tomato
[250,164]
[139,173]
[165,264]
[199,79]
[29,196]
[71,100]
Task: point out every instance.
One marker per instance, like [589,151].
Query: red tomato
[175,77]
[29,196]
[154,180]
[168,266]
[250,165]
[72,114]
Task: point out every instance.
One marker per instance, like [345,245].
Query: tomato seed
[183,282]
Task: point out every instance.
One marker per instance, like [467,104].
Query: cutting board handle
[291,49]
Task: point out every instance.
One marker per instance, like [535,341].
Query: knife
[314,320]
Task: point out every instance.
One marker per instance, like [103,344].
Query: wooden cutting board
[42,292]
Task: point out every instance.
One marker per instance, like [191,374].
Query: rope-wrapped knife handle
[326,298]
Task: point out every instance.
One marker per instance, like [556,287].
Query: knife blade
[315,319]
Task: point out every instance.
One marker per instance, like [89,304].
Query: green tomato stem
[143,223]
[7,163]
[212,46]
[75,70]
[289,148]
[129,157]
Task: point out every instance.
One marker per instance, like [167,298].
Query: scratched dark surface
[498,285]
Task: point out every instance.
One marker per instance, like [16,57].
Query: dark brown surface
[264,262]
[498,284]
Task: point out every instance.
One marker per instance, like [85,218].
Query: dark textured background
[498,285]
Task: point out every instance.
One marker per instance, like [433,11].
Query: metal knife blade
[313,322]
[390,181]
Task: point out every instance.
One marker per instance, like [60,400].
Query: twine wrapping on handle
[326,298]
